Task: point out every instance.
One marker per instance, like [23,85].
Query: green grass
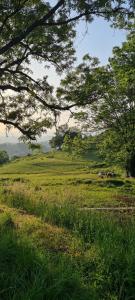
[50,248]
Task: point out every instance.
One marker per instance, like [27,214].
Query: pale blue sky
[97,39]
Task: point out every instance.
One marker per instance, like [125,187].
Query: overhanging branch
[27,133]
[44,22]
[36,24]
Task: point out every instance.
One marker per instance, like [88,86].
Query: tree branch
[28,133]
[11,15]
[25,88]
[13,88]
[36,24]
[91,12]
[42,22]
[17,62]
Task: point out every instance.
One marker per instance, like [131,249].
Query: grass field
[51,245]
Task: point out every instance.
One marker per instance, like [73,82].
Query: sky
[97,39]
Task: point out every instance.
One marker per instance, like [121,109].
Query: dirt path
[123,208]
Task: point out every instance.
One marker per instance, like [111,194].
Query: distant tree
[62,131]
[67,144]
[80,145]
[38,31]
[3,157]
[77,145]
[14,157]
[57,140]
[35,148]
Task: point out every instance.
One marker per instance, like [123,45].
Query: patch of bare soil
[128,200]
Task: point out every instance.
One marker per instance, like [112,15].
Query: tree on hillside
[57,140]
[76,146]
[3,157]
[62,131]
[116,112]
[113,110]
[35,148]
[36,31]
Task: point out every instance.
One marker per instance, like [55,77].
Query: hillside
[55,242]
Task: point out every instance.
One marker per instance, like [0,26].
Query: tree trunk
[130,166]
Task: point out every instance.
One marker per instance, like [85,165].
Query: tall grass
[26,273]
[104,268]
[50,249]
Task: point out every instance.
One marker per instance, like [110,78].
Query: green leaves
[106,98]
[37,31]
[77,145]
[116,112]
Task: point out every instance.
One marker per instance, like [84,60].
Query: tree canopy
[62,132]
[109,94]
[36,30]
[76,145]
[116,112]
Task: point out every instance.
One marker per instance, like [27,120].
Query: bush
[3,157]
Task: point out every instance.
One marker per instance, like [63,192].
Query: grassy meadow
[52,245]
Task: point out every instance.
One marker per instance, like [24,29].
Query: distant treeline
[20,149]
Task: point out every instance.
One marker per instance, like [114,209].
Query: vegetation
[77,146]
[35,148]
[36,30]
[67,218]
[116,113]
[61,133]
[3,157]
[107,94]
[52,244]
